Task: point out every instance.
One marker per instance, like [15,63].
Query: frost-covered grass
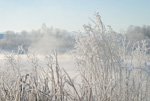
[111,68]
[31,77]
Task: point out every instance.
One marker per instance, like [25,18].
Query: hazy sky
[20,15]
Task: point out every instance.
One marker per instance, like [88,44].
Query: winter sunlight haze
[74,50]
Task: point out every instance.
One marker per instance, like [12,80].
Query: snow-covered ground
[65,61]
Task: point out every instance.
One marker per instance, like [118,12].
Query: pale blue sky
[20,15]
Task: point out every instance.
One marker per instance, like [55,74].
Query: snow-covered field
[65,61]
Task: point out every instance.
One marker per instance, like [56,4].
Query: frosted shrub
[106,64]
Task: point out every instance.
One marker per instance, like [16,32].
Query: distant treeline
[46,39]
[41,40]
[137,33]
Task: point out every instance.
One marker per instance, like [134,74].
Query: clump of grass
[49,83]
[110,70]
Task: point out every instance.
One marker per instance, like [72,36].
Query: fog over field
[44,40]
